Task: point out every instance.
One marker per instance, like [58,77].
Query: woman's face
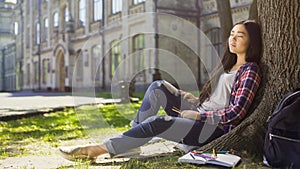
[239,40]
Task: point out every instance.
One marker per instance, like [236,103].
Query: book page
[227,160]
[189,158]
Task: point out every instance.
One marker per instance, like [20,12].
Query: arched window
[46,26]
[67,15]
[55,20]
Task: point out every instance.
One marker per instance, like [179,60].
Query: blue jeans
[170,127]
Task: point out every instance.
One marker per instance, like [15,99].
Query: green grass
[168,161]
[60,126]
[79,123]
[51,128]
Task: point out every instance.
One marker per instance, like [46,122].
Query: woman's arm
[242,95]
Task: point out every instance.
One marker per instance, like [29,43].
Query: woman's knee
[156,84]
[158,119]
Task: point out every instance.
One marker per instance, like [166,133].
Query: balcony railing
[139,8]
[114,18]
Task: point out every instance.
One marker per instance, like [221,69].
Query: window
[28,6]
[138,1]
[96,51]
[116,6]
[79,66]
[97,10]
[82,12]
[67,15]
[55,20]
[28,37]
[213,49]
[36,72]
[37,4]
[28,74]
[115,56]
[138,49]
[38,33]
[215,37]
[16,28]
[46,27]
[86,58]
[45,70]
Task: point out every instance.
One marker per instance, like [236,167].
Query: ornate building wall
[67,44]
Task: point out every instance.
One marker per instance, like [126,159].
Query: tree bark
[281,74]
[225,16]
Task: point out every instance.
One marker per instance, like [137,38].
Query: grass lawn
[53,128]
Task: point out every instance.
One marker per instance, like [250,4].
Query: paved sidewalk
[23,104]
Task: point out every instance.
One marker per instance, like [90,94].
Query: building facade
[8,50]
[90,44]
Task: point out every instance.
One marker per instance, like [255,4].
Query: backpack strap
[288,97]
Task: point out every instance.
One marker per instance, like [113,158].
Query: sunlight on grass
[22,137]
[49,128]
[55,127]
[52,128]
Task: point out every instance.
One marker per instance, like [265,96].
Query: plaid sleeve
[242,95]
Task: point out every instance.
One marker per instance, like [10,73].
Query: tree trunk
[253,13]
[281,74]
[225,16]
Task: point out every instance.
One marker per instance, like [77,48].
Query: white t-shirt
[220,97]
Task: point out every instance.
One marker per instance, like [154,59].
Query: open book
[226,160]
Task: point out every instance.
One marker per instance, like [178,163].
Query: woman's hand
[189,97]
[190,114]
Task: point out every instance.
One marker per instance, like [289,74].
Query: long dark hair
[253,54]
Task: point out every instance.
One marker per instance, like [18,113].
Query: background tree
[225,16]
[253,13]
[281,73]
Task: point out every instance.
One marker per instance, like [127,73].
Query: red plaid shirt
[242,94]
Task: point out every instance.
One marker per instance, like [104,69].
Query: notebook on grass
[226,160]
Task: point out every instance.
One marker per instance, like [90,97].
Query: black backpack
[282,141]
